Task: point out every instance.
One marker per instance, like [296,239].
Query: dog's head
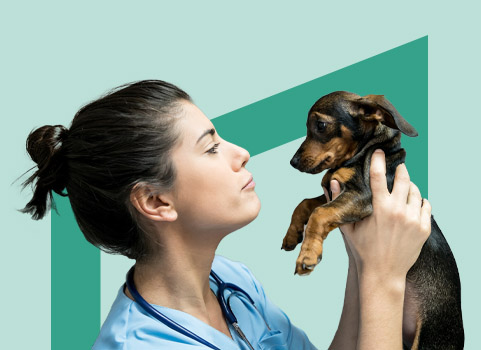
[338,123]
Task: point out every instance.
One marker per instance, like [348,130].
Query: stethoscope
[225,306]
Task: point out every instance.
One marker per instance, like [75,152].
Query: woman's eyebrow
[207,132]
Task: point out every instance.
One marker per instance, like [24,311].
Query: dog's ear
[377,107]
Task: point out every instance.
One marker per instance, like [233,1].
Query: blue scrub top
[129,327]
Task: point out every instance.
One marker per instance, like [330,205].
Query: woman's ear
[152,204]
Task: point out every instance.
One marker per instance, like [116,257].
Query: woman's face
[210,192]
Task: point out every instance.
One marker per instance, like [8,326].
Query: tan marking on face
[339,148]
[323,117]
[333,152]
[313,153]
[343,175]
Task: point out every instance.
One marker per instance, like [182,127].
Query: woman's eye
[214,149]
[321,126]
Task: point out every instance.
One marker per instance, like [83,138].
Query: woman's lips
[249,184]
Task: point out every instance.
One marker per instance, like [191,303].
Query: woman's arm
[347,331]
[346,334]
[383,248]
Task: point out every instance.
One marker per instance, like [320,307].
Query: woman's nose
[242,156]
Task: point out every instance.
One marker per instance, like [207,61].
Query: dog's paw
[292,238]
[306,263]
[289,244]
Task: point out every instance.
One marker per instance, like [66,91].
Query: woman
[148,177]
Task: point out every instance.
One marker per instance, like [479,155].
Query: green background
[58,56]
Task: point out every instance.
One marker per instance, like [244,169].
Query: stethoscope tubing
[222,286]
[159,316]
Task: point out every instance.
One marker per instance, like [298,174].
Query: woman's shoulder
[113,332]
[221,262]
[128,326]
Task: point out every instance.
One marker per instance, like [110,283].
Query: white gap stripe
[113,269]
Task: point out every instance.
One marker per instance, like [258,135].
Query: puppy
[343,130]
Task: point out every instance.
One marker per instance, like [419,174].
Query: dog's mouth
[323,165]
[318,168]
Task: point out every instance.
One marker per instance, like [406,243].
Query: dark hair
[122,139]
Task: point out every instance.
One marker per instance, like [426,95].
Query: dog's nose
[295,160]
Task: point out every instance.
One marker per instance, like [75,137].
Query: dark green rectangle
[75,283]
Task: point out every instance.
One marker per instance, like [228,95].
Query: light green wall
[57,56]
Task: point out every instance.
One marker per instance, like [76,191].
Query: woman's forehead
[196,127]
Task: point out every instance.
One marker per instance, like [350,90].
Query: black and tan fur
[343,130]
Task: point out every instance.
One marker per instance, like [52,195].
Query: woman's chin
[256,208]
[248,217]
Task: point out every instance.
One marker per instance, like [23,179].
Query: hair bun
[45,147]
[45,142]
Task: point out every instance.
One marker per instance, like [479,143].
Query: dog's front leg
[349,206]
[300,216]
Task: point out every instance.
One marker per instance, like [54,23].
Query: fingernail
[334,186]
[379,151]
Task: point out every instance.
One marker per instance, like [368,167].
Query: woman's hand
[388,242]
[382,248]
[390,239]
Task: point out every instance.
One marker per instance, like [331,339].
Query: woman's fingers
[401,184]
[377,173]
[414,202]
[335,190]
[426,218]
[414,196]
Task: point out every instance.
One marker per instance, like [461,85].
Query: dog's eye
[321,126]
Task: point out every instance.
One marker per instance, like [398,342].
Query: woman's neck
[171,279]
[177,275]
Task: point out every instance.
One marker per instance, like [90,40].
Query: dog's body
[344,130]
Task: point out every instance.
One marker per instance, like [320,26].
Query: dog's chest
[342,175]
